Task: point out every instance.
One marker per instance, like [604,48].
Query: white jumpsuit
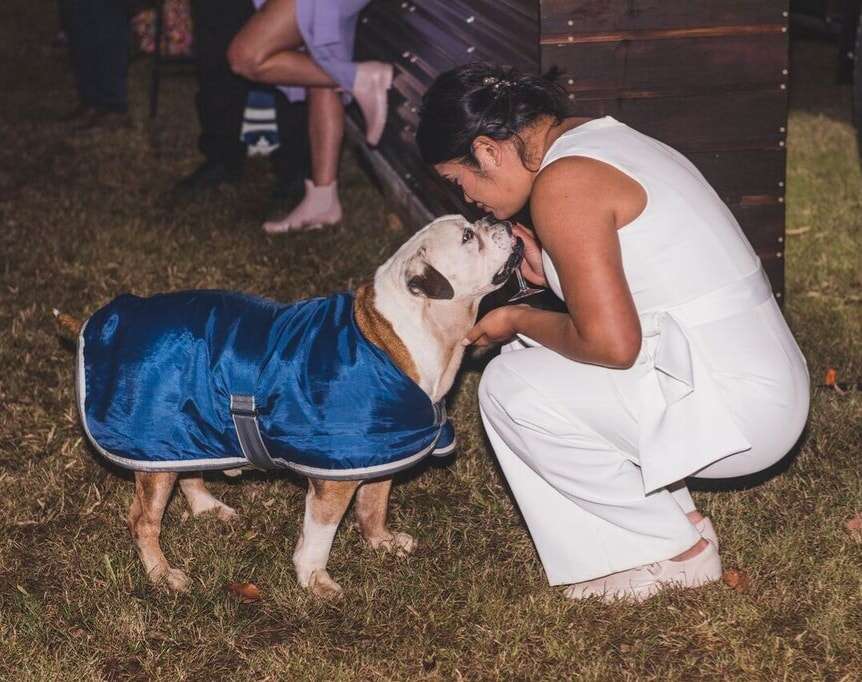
[595,457]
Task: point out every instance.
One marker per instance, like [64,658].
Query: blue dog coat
[200,380]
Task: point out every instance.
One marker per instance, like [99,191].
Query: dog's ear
[423,279]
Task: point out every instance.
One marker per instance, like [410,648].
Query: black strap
[244,415]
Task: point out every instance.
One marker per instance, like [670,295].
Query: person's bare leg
[265,50]
[326,132]
[320,206]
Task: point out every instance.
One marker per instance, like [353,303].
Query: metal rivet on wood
[571,81]
[781,143]
[780,254]
[470,19]
[781,240]
[781,183]
[782,129]
[780,200]
[471,49]
[783,86]
[571,22]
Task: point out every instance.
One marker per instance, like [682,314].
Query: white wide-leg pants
[566,434]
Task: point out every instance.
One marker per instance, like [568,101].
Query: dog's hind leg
[325,504]
[372,503]
[152,492]
[201,501]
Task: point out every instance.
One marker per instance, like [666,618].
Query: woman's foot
[319,208]
[707,531]
[643,582]
[703,525]
[373,80]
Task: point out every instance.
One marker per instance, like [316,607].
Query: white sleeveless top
[710,325]
[686,241]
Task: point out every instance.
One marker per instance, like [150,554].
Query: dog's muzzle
[511,263]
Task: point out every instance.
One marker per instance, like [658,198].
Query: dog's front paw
[177,580]
[400,543]
[172,578]
[225,513]
[321,585]
[216,508]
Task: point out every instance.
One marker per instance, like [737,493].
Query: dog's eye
[468,235]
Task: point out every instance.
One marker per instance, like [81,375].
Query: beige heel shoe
[643,582]
[373,80]
[319,208]
[707,531]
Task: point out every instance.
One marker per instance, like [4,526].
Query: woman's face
[500,186]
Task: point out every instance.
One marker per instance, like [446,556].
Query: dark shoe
[104,120]
[209,175]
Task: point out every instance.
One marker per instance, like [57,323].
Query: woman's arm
[577,206]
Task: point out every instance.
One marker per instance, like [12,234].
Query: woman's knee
[497,383]
[244,58]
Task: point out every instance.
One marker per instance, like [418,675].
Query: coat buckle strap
[244,413]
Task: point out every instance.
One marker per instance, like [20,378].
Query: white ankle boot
[319,207]
[373,80]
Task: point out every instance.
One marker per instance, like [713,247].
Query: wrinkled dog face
[452,258]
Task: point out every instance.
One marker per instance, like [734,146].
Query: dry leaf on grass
[735,579]
[854,527]
[245,592]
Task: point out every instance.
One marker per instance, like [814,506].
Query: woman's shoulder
[587,188]
[575,174]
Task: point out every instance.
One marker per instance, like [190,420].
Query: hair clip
[496,83]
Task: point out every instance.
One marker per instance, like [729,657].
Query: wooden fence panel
[707,77]
[613,16]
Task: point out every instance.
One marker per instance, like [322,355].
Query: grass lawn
[85,217]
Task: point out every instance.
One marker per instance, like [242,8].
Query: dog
[409,322]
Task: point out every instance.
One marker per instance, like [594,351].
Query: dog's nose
[508,225]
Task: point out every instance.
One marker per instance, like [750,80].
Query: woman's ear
[487,152]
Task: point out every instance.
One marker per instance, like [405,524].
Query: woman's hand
[531,267]
[495,327]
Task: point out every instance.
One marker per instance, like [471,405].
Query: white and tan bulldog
[420,305]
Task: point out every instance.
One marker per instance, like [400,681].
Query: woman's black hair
[483,99]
